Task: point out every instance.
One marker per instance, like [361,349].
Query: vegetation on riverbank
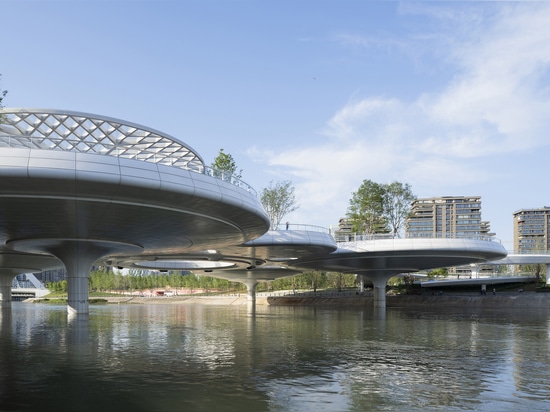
[103,281]
[105,284]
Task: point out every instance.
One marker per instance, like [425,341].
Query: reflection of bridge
[79,189]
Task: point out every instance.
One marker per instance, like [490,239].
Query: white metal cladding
[48,129]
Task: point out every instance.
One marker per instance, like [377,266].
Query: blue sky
[450,97]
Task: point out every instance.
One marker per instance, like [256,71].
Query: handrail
[529,252]
[304,227]
[355,237]
[228,177]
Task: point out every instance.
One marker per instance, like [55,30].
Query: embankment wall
[520,300]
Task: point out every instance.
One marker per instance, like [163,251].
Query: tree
[366,209]
[439,272]
[2,95]
[397,201]
[380,208]
[224,166]
[278,201]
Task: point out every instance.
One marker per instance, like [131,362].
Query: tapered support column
[77,294]
[78,256]
[251,291]
[251,296]
[78,271]
[15,263]
[361,284]
[5,290]
[379,284]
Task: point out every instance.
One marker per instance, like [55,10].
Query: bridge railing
[529,252]
[228,177]
[355,237]
[298,226]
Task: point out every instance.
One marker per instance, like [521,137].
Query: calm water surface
[212,358]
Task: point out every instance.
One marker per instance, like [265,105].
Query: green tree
[2,95]
[366,209]
[438,273]
[380,208]
[278,200]
[396,205]
[224,166]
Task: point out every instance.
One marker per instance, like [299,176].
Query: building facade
[447,216]
[531,227]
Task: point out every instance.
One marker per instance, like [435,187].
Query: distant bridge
[27,286]
[524,259]
[511,259]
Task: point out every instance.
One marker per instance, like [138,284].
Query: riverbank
[528,299]
[178,300]
[517,300]
[503,300]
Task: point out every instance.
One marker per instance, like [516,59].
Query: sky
[452,98]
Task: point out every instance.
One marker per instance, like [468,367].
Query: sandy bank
[178,300]
[511,300]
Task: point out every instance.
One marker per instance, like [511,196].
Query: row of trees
[278,198]
[374,207]
[137,280]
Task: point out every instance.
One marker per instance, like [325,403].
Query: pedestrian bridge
[527,258]
[81,189]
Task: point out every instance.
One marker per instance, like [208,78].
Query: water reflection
[192,357]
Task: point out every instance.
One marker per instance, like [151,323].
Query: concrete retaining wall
[526,300]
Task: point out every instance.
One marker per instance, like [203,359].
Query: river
[192,357]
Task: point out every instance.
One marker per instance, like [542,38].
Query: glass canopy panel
[73,131]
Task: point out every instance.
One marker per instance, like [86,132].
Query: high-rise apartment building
[447,216]
[531,229]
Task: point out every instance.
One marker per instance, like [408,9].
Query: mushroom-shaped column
[14,263]
[251,284]
[379,281]
[78,256]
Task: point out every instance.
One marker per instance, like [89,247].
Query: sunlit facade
[531,227]
[447,217]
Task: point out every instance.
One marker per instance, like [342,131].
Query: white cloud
[495,102]
[498,97]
